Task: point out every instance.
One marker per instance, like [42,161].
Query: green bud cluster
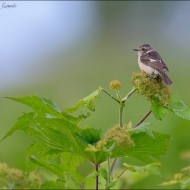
[115,85]
[152,88]
[120,135]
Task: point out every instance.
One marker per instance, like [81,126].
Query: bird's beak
[136,49]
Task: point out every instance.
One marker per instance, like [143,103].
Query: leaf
[147,169]
[86,103]
[143,128]
[181,179]
[57,164]
[94,155]
[38,104]
[55,170]
[158,110]
[46,107]
[111,184]
[57,134]
[71,182]
[146,148]
[89,135]
[52,185]
[171,182]
[104,173]
[179,108]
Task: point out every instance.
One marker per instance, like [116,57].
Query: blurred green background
[65,50]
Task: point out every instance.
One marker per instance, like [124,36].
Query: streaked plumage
[151,62]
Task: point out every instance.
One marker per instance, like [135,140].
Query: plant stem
[97,176]
[118,94]
[108,172]
[121,173]
[128,95]
[142,119]
[110,95]
[113,164]
[121,109]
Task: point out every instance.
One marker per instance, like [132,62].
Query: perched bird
[151,62]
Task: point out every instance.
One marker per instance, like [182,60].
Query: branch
[108,173]
[110,95]
[142,119]
[97,176]
[121,173]
[113,164]
[128,95]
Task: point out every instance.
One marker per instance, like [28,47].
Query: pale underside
[147,69]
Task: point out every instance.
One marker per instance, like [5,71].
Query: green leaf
[21,124]
[38,104]
[46,107]
[158,110]
[146,148]
[57,134]
[87,103]
[178,107]
[71,182]
[94,155]
[143,128]
[104,173]
[111,184]
[147,169]
[89,135]
[52,185]
[57,164]
[55,170]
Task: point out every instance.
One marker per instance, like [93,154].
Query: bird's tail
[166,79]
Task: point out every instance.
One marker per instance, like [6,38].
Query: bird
[151,63]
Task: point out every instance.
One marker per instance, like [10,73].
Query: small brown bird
[151,62]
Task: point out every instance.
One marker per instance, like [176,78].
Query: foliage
[181,179]
[61,146]
[152,88]
[16,179]
[161,98]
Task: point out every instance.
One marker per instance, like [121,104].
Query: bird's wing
[153,60]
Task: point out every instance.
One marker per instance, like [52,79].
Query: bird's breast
[147,69]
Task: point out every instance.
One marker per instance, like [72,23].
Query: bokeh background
[64,50]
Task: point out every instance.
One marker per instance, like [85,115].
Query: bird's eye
[143,48]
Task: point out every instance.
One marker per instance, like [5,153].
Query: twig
[108,173]
[128,95]
[118,94]
[121,173]
[113,164]
[142,119]
[121,109]
[97,176]
[110,95]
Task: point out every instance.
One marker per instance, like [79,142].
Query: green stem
[109,172]
[121,109]
[97,176]
[110,95]
[142,119]
[128,95]
[121,101]
[113,164]
[118,94]
[121,173]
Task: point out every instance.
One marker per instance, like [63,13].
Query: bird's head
[143,48]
